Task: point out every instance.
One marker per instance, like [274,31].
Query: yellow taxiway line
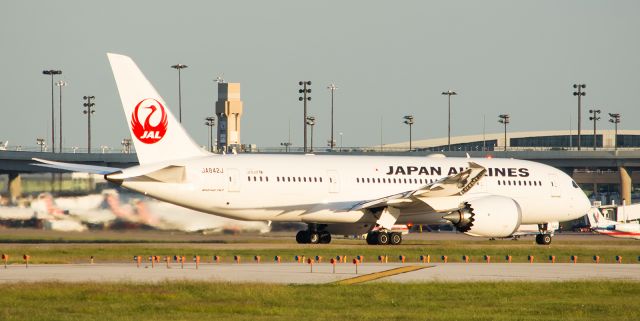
[381,274]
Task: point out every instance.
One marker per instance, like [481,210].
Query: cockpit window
[575,185]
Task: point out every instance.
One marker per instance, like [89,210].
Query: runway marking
[381,274]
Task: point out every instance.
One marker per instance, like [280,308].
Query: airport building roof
[555,139]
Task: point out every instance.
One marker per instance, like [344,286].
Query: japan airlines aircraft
[602,225]
[333,194]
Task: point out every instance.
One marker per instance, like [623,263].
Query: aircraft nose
[584,203]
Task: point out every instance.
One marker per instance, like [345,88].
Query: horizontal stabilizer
[102,170]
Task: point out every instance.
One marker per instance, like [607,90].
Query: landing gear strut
[544,238]
[383,238]
[313,235]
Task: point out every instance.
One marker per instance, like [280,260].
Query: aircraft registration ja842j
[333,194]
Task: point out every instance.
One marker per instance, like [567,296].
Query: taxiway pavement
[322,273]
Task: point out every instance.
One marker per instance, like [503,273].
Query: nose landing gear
[544,238]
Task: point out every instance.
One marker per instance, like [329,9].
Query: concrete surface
[300,273]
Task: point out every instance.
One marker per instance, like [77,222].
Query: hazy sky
[388,58]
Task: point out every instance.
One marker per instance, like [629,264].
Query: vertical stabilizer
[156,134]
[597,219]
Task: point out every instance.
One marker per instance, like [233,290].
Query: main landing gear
[544,238]
[384,238]
[313,235]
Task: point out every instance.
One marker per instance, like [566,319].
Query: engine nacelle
[492,216]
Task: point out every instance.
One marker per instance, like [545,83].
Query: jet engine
[491,216]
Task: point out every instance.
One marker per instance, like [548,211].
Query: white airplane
[600,224]
[333,194]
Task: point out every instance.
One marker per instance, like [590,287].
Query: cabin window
[320,179]
[267,178]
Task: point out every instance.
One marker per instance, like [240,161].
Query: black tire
[383,238]
[395,238]
[301,237]
[313,238]
[539,239]
[325,238]
[372,238]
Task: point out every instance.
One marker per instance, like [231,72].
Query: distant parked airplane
[602,225]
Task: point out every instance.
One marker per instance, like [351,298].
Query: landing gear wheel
[383,238]
[301,237]
[325,238]
[395,238]
[314,237]
[543,239]
[372,238]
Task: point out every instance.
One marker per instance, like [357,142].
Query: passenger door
[234,180]
[555,188]
[334,183]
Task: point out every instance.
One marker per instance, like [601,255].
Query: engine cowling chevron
[490,216]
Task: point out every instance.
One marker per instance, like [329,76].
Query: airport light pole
[332,88]
[41,142]
[126,145]
[409,121]
[179,67]
[210,122]
[286,146]
[579,92]
[60,84]
[89,110]
[504,119]
[615,119]
[311,121]
[595,118]
[304,99]
[52,72]
[340,141]
[449,93]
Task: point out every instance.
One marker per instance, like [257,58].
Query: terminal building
[534,140]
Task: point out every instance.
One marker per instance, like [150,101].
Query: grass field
[124,252]
[384,301]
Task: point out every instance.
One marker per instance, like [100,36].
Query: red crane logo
[147,133]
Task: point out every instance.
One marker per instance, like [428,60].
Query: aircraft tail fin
[155,132]
[597,219]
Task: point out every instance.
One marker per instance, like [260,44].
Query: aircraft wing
[433,196]
[102,170]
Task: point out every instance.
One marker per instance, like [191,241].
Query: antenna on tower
[220,79]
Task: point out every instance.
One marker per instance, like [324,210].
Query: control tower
[229,111]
